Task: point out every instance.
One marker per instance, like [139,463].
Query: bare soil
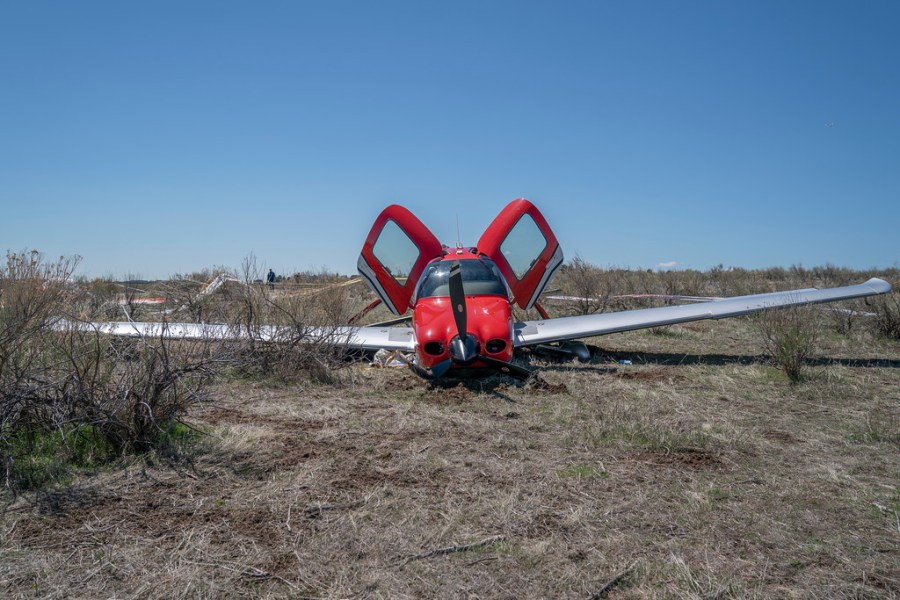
[696,472]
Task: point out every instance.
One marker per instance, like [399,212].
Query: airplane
[462,299]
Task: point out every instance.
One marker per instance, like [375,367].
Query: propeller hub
[465,350]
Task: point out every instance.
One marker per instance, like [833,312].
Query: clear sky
[154,138]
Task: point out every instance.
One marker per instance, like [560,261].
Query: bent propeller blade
[458,299]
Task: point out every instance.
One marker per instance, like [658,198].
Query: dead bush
[62,385]
[593,288]
[676,283]
[317,277]
[131,396]
[729,281]
[789,337]
[830,275]
[840,319]
[309,344]
[886,321]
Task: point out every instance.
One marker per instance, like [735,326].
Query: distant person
[270,278]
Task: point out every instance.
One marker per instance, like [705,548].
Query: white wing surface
[363,338]
[528,333]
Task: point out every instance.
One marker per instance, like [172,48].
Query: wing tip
[879,286]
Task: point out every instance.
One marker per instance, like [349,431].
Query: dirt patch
[448,396]
[542,386]
[780,436]
[689,458]
[237,416]
[652,375]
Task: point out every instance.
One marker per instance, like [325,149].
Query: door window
[395,251]
[523,245]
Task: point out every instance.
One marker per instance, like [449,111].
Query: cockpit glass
[480,278]
[395,251]
[523,246]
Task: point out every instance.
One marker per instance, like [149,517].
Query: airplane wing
[362,338]
[676,297]
[528,333]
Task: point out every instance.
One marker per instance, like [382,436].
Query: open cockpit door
[395,254]
[524,248]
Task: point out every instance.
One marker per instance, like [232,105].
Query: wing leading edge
[361,338]
[528,333]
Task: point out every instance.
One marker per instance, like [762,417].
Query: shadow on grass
[60,500]
[676,358]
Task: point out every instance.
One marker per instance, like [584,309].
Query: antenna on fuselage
[458,239]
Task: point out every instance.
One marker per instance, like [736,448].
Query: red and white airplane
[462,297]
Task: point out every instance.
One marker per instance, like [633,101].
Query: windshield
[480,277]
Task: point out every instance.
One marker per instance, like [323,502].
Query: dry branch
[495,539]
[250,572]
[612,583]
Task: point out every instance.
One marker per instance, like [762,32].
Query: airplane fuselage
[461,297]
[489,315]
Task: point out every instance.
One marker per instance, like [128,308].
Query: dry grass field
[698,471]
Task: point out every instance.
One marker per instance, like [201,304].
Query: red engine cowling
[489,320]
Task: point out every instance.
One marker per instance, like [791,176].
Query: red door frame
[396,295]
[527,289]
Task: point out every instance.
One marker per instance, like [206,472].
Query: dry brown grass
[699,464]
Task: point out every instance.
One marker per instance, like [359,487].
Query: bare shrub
[830,275]
[777,275]
[887,315]
[309,346]
[60,386]
[675,283]
[592,287]
[840,319]
[95,299]
[729,281]
[789,337]
[189,297]
[31,293]
[308,341]
[131,393]
[316,277]
[582,280]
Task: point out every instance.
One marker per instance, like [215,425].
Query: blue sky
[157,138]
